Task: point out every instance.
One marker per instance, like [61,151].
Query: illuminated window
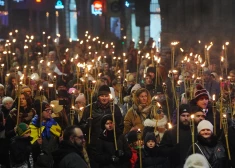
[73,20]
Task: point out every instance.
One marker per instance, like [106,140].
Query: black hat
[104,119]
[195,109]
[150,136]
[132,137]
[104,90]
[184,108]
[37,106]
[151,69]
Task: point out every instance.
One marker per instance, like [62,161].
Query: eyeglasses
[48,110]
[81,137]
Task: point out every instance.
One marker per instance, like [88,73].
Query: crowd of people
[85,107]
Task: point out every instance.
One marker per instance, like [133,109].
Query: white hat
[135,87]
[204,124]
[196,161]
[81,98]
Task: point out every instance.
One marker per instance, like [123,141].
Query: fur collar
[152,122]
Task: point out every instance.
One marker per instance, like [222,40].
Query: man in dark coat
[106,153]
[176,152]
[99,109]
[69,154]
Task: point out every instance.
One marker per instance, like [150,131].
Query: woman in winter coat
[106,154]
[208,145]
[26,114]
[140,110]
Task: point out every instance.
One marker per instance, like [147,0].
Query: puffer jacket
[213,150]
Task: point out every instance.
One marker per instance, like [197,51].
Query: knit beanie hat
[204,124]
[196,161]
[135,87]
[37,106]
[104,90]
[104,119]
[81,98]
[22,129]
[132,137]
[184,108]
[150,136]
[195,109]
[200,91]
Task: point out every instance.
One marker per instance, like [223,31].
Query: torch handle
[227,145]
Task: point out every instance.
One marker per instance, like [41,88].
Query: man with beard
[92,120]
[176,152]
[69,154]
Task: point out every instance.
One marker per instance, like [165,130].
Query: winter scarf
[48,127]
[142,110]
[102,106]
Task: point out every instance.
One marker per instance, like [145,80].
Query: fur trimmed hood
[152,122]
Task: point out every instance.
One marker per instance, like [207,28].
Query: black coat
[213,150]
[231,141]
[105,149]
[97,115]
[151,158]
[176,152]
[68,156]
[20,149]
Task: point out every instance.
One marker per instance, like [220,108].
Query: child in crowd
[151,156]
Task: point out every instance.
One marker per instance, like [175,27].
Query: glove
[115,159]
[119,153]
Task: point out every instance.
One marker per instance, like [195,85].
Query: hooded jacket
[105,149]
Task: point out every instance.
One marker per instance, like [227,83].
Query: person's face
[148,81]
[198,117]
[151,144]
[143,98]
[13,82]
[27,134]
[187,77]
[152,75]
[23,101]
[51,57]
[232,77]
[8,105]
[185,118]
[203,102]
[46,114]
[176,76]
[106,68]
[205,133]
[80,104]
[78,138]
[104,99]
[109,125]
[206,77]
